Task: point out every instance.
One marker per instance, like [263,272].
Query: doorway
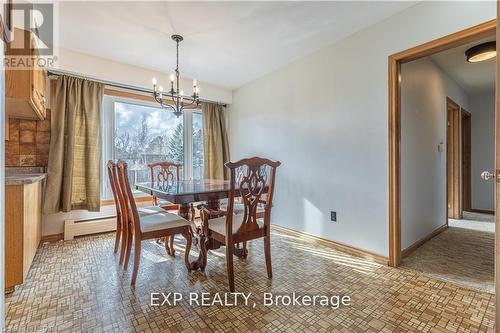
[427,175]
[438,238]
[460,189]
[440,147]
[485,30]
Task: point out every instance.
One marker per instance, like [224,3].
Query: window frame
[108,134]
[191,142]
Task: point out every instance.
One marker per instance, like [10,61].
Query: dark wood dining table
[184,193]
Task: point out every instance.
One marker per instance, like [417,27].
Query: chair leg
[229,264]
[202,244]
[123,250]
[267,253]
[167,248]
[118,234]
[245,250]
[137,258]
[128,249]
[189,240]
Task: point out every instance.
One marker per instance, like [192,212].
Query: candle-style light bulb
[154,84]
[197,90]
[172,77]
[160,88]
[195,83]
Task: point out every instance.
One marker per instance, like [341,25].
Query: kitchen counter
[22,179]
[23,221]
[24,175]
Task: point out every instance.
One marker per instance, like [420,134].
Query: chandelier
[174,99]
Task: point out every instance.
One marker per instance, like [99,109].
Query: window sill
[108,202]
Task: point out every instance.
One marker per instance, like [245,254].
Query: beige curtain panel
[73,180]
[215,143]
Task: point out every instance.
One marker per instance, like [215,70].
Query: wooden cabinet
[25,78]
[23,230]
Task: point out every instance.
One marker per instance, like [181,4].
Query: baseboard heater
[89,226]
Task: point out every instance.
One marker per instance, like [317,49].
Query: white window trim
[188,144]
[108,137]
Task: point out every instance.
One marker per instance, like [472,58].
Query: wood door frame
[477,32]
[466,143]
[497,183]
[453,181]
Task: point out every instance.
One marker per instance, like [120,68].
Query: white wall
[105,69]
[424,88]
[325,117]
[482,109]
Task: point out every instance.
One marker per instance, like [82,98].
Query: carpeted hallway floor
[462,254]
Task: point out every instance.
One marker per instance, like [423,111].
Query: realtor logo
[30,34]
[36,18]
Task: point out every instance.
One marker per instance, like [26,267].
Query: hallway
[463,254]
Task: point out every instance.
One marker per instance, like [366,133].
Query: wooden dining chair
[120,226]
[165,172]
[255,186]
[150,226]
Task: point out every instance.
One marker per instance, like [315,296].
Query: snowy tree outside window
[197,145]
[146,134]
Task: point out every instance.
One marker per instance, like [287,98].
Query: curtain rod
[57,72]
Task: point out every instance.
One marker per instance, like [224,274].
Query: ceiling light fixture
[481,52]
[174,98]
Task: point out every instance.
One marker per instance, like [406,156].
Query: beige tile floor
[77,286]
[463,254]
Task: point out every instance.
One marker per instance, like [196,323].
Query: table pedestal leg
[205,243]
[184,210]
[201,262]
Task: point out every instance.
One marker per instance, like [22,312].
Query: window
[141,133]
[198,157]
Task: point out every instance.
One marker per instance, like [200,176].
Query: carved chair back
[164,172]
[252,179]
[128,199]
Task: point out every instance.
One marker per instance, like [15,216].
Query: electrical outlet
[333,216]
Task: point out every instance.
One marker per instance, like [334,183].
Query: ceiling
[472,77]
[225,43]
